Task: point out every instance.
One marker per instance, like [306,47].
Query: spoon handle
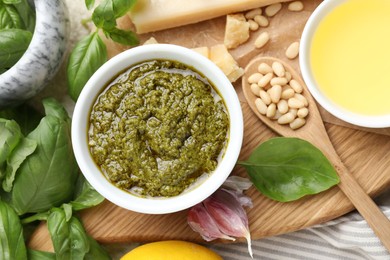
[375,218]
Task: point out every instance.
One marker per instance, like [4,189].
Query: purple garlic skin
[222,214]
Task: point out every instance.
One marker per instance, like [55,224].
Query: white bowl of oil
[344,59]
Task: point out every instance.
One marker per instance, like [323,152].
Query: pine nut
[297,123]
[295,103]
[292,50]
[277,115]
[273,9]
[288,93]
[278,69]
[302,99]
[286,118]
[252,13]
[282,106]
[275,92]
[265,80]
[278,81]
[262,40]
[261,107]
[253,26]
[265,97]
[261,20]
[255,77]
[271,110]
[293,111]
[264,68]
[255,89]
[295,6]
[303,112]
[296,86]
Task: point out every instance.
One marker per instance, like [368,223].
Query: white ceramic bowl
[314,20]
[99,80]
[43,57]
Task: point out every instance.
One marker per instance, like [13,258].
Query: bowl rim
[96,84]
[369,121]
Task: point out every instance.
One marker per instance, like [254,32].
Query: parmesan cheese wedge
[225,61]
[154,15]
[236,31]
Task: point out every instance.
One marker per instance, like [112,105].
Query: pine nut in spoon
[314,131]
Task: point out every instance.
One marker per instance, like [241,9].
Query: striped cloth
[348,238]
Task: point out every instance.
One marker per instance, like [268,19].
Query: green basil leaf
[26,116]
[13,44]
[12,244]
[86,197]
[121,7]
[10,2]
[122,36]
[69,238]
[47,177]
[27,14]
[10,136]
[286,169]
[89,4]
[40,255]
[96,252]
[19,154]
[103,15]
[87,56]
[9,18]
[106,13]
[53,108]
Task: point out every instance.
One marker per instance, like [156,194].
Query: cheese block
[236,30]
[225,61]
[154,15]
[202,50]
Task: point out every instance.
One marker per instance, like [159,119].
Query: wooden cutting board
[364,152]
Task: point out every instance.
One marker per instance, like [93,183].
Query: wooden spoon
[314,132]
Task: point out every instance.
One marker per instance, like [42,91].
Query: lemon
[171,250]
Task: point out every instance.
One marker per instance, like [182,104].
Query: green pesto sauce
[157,128]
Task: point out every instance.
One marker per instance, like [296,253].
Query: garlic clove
[225,208]
[200,221]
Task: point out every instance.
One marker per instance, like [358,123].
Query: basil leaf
[40,255]
[47,177]
[9,2]
[69,238]
[89,4]
[9,17]
[121,7]
[122,36]
[87,56]
[103,15]
[19,154]
[12,244]
[13,44]
[106,13]
[286,169]
[86,197]
[27,14]
[10,136]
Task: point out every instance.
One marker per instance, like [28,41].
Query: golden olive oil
[350,56]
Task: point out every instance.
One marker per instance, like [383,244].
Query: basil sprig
[91,52]
[40,180]
[286,169]
[17,22]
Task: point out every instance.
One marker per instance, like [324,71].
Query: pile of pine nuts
[258,18]
[279,96]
